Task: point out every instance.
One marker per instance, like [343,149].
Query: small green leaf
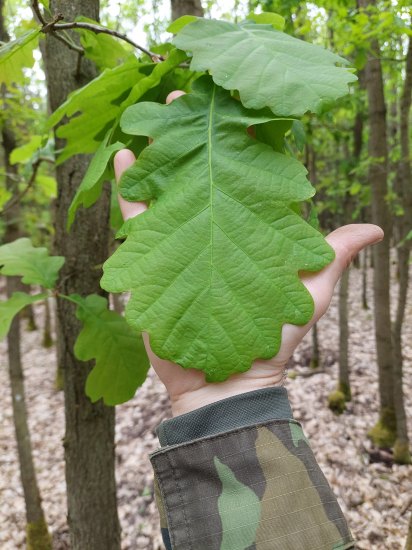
[121,360]
[91,186]
[26,151]
[16,55]
[269,68]
[47,184]
[207,295]
[181,22]
[34,265]
[12,306]
[268,18]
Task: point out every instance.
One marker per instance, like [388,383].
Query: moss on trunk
[38,537]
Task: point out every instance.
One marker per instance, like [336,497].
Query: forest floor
[374,496]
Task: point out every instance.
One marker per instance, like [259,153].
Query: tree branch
[97,29]
[53,26]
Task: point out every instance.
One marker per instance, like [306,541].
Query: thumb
[122,161]
[347,242]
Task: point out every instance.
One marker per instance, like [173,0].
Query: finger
[122,161]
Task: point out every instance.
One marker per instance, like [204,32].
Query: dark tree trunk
[384,432]
[186,7]
[365,279]
[38,537]
[47,330]
[89,438]
[409,539]
[403,226]
[344,382]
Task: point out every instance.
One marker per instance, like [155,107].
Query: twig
[53,26]
[17,198]
[36,8]
[68,43]
[97,29]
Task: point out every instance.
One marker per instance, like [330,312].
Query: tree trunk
[403,226]
[365,279]
[186,7]
[89,437]
[47,330]
[344,383]
[37,534]
[384,432]
[409,539]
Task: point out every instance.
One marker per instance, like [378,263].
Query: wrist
[207,394]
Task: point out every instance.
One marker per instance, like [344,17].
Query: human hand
[187,388]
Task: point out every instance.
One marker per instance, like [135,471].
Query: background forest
[350,381]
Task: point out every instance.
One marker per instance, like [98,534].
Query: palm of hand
[187,388]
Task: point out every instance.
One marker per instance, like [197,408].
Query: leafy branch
[121,363]
[53,26]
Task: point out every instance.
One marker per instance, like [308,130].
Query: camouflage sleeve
[239,474]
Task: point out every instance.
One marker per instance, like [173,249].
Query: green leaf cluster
[121,361]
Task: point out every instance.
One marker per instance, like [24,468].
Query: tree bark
[384,432]
[37,534]
[186,7]
[409,539]
[344,382]
[89,437]
[403,224]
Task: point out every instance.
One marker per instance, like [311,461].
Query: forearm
[239,474]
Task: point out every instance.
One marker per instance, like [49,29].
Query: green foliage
[121,361]
[268,67]
[90,188]
[26,151]
[107,52]
[209,297]
[34,265]
[267,18]
[14,305]
[96,108]
[16,55]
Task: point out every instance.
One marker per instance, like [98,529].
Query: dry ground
[372,495]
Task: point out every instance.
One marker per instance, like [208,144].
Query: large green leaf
[12,306]
[213,265]
[16,55]
[34,265]
[268,67]
[121,361]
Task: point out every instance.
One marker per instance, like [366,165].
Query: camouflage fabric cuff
[250,408]
[255,487]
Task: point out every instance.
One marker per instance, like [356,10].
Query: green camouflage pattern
[253,488]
